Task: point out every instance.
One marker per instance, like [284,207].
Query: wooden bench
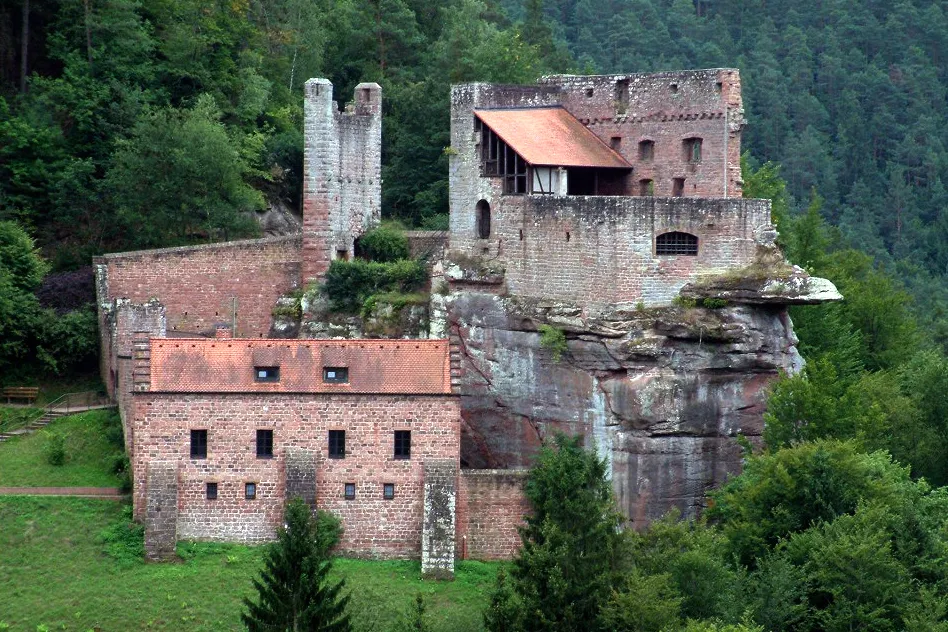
[28,393]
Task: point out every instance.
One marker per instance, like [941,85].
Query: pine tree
[294,590]
[572,546]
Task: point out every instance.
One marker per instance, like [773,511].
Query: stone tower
[342,162]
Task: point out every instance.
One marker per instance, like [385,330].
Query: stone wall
[666,108]
[342,184]
[373,526]
[602,249]
[490,507]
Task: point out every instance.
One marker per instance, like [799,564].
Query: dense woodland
[142,123]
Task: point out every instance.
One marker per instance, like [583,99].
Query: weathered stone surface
[660,392]
[788,286]
[161,510]
[438,524]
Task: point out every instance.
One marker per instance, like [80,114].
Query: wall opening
[676,243]
[646,188]
[692,149]
[622,96]
[483,219]
[646,150]
[615,142]
[678,187]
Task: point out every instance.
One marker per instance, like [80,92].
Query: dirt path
[113,493]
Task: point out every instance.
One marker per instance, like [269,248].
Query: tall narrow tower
[342,167]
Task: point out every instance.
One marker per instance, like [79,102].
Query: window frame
[346,489]
[340,436]
[250,490]
[401,445]
[267,435]
[388,491]
[208,493]
[342,376]
[677,243]
[273,374]
[198,454]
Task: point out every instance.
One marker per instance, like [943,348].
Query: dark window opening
[335,374]
[646,188]
[388,491]
[199,444]
[647,150]
[403,444]
[567,235]
[589,92]
[498,159]
[674,88]
[521,234]
[483,219]
[692,149]
[250,491]
[622,96]
[264,444]
[266,373]
[615,142]
[678,187]
[212,491]
[342,254]
[337,444]
[676,243]
[349,492]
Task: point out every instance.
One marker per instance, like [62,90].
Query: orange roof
[551,136]
[226,365]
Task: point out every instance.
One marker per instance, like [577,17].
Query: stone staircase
[69,404]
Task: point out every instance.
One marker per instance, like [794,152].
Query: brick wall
[490,507]
[342,186]
[373,526]
[666,108]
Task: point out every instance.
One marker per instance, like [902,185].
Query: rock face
[662,392]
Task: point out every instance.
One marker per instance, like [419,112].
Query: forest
[130,124]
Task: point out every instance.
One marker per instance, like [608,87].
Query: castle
[605,208]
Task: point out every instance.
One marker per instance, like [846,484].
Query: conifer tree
[294,590]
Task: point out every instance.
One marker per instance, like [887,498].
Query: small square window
[615,142]
[199,444]
[250,491]
[212,491]
[264,444]
[403,444]
[388,491]
[266,373]
[335,374]
[350,491]
[337,444]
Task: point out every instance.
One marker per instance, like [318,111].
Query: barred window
[676,243]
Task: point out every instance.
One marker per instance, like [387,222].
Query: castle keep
[605,210]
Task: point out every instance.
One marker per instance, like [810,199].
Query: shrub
[55,448]
[714,303]
[384,244]
[684,303]
[553,340]
[350,283]
[125,540]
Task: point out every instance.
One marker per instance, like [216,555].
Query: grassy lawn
[72,564]
[92,446]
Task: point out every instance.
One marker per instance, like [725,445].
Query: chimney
[223,330]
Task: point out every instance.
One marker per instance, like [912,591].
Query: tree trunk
[25,46]
[88,36]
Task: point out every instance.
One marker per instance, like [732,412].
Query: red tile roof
[206,365]
[551,136]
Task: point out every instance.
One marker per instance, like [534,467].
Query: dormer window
[266,373]
[335,374]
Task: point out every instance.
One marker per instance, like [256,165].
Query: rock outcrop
[662,392]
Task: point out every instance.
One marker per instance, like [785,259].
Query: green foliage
[54,448]
[714,303]
[124,539]
[646,603]
[294,590]
[350,283]
[553,340]
[161,175]
[572,547]
[385,244]
[765,183]
[684,303]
